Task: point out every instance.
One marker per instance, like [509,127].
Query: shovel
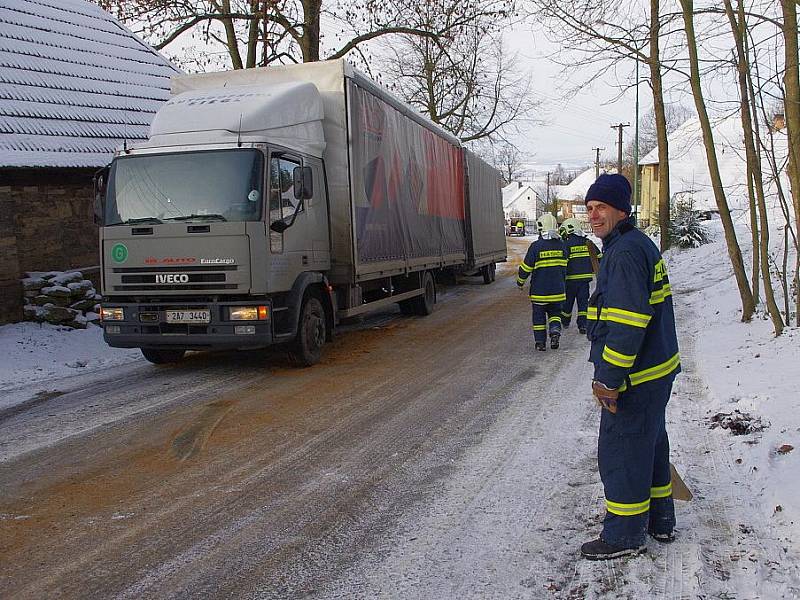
[679,489]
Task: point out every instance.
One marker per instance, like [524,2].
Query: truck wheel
[423,305]
[488,272]
[162,357]
[306,350]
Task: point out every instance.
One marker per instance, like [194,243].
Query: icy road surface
[435,457]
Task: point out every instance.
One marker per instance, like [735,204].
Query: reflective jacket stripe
[553,298]
[626,317]
[525,267]
[659,296]
[550,262]
[618,315]
[656,372]
[628,510]
[664,491]
[617,358]
[580,276]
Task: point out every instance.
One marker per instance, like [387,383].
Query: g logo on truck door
[119,253]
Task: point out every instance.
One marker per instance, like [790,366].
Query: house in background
[74,83]
[571,197]
[690,180]
[520,201]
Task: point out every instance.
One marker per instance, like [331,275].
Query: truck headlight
[112,313]
[248,313]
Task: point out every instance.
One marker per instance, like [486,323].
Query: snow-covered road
[425,458]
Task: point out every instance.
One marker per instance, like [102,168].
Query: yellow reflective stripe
[579,255]
[659,296]
[581,313]
[556,318]
[553,298]
[525,267]
[539,327]
[591,313]
[626,317]
[664,491]
[628,510]
[520,280]
[656,372]
[563,314]
[581,276]
[550,262]
[617,358]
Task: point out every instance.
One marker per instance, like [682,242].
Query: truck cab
[211,227]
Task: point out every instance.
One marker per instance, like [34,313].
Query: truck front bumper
[146,326]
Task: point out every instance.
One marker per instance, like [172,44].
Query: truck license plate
[189,316]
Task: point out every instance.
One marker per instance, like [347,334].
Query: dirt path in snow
[425,458]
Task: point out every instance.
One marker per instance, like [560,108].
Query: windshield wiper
[211,216]
[135,221]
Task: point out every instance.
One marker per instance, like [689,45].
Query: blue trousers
[577,292]
[633,456]
[546,317]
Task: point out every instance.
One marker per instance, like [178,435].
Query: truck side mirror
[303,183]
[99,182]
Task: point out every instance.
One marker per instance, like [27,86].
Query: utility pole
[620,126]
[597,162]
[547,204]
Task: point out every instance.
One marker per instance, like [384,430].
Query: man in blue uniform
[546,264]
[579,271]
[634,349]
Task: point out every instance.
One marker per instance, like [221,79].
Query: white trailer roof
[287,113]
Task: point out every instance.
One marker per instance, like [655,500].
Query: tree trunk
[751,200]
[230,37]
[661,125]
[791,82]
[751,142]
[734,252]
[309,41]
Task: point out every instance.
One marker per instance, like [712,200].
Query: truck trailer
[268,204]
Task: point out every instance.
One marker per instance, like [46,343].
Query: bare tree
[259,32]
[508,160]
[675,115]
[468,84]
[734,252]
[791,82]
[755,180]
[608,33]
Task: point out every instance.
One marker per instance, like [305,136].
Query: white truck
[268,204]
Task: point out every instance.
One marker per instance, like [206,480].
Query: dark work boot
[582,330]
[664,538]
[600,550]
[540,346]
[554,339]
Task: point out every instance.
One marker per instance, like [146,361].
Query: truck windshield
[222,185]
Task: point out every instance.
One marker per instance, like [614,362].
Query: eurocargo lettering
[268,204]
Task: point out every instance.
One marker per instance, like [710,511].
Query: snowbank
[35,353]
[746,369]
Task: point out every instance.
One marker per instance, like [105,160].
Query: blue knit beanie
[612,189]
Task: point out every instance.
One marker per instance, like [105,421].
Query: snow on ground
[745,368]
[36,353]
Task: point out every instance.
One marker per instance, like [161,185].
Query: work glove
[605,396]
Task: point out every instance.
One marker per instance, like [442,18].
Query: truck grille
[188,278]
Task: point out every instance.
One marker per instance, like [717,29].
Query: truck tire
[306,350]
[423,305]
[162,357]
[488,272]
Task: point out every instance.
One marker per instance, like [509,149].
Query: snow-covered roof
[73,84]
[576,189]
[523,200]
[689,178]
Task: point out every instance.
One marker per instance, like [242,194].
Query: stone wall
[45,225]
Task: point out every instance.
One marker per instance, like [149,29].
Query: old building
[74,83]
